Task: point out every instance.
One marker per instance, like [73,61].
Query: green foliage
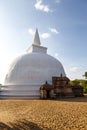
[75,82]
[85,75]
[82,82]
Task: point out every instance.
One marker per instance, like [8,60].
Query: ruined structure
[60,88]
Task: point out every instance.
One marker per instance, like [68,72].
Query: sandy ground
[68,114]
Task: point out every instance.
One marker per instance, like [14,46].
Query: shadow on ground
[73,99]
[20,125]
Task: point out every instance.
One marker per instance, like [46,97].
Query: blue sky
[62,26]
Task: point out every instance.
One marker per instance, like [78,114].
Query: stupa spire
[36,45]
[36,38]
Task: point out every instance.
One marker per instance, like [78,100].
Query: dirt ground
[61,114]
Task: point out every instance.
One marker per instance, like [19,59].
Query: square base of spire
[38,49]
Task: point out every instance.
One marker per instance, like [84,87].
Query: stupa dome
[33,68]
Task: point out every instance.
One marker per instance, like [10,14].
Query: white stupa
[29,71]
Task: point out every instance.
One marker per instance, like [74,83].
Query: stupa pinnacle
[36,39]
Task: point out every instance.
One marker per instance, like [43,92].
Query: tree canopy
[85,75]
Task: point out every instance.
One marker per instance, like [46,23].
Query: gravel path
[68,114]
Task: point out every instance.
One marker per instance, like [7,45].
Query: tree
[85,75]
[75,82]
[85,82]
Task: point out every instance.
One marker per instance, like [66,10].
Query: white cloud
[56,55]
[74,69]
[31,31]
[58,1]
[39,6]
[53,30]
[45,35]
